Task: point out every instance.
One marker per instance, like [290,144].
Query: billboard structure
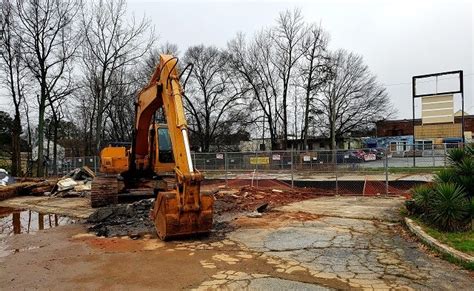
[437,109]
[437,102]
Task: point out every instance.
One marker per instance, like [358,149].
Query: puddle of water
[16,221]
[4,251]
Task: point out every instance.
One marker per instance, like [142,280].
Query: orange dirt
[115,245]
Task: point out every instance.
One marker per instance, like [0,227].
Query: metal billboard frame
[415,95]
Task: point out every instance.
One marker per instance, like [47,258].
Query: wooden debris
[26,188]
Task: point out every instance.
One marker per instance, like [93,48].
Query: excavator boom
[184,210]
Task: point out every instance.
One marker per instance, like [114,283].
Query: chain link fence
[355,171]
[369,171]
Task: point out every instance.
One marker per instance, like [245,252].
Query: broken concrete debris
[80,174]
[76,183]
[123,219]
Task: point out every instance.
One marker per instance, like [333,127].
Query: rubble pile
[133,219]
[76,183]
[123,219]
[253,199]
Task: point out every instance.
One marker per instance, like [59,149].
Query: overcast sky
[398,39]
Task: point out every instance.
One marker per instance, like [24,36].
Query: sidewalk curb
[429,240]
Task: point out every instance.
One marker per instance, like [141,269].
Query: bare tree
[268,66]
[111,43]
[49,46]
[250,63]
[213,99]
[353,99]
[121,112]
[57,100]
[313,71]
[14,75]
[286,37]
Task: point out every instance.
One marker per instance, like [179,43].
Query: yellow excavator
[180,207]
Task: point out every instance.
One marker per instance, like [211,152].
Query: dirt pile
[248,199]
[123,219]
[134,220]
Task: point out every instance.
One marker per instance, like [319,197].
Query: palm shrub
[469,150]
[448,203]
[471,213]
[449,208]
[456,155]
[446,175]
[422,197]
[465,174]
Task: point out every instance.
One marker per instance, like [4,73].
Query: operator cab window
[165,150]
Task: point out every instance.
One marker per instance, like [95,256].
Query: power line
[427,81]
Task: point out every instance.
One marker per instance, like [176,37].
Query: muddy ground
[301,241]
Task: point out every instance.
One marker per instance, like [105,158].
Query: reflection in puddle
[16,221]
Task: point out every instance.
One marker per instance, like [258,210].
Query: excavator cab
[114,159]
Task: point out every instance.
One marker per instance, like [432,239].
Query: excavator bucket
[171,222]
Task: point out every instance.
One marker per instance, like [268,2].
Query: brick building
[404,127]
[399,133]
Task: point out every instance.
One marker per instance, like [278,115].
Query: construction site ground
[298,240]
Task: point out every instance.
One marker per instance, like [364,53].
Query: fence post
[444,154]
[256,168]
[292,168]
[334,153]
[95,164]
[386,172]
[432,154]
[225,167]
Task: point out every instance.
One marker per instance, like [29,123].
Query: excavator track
[104,191]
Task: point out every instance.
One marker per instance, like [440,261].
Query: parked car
[364,156]
[379,153]
[341,157]
[350,157]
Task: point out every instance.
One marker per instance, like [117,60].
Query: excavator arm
[184,210]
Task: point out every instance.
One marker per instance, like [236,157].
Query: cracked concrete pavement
[342,246]
[321,244]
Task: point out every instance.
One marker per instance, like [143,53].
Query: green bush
[456,155]
[422,197]
[449,207]
[465,174]
[469,150]
[447,175]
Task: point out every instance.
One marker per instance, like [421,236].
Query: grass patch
[451,259]
[461,241]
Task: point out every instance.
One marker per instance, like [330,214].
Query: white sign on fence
[220,156]
[276,157]
[307,158]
